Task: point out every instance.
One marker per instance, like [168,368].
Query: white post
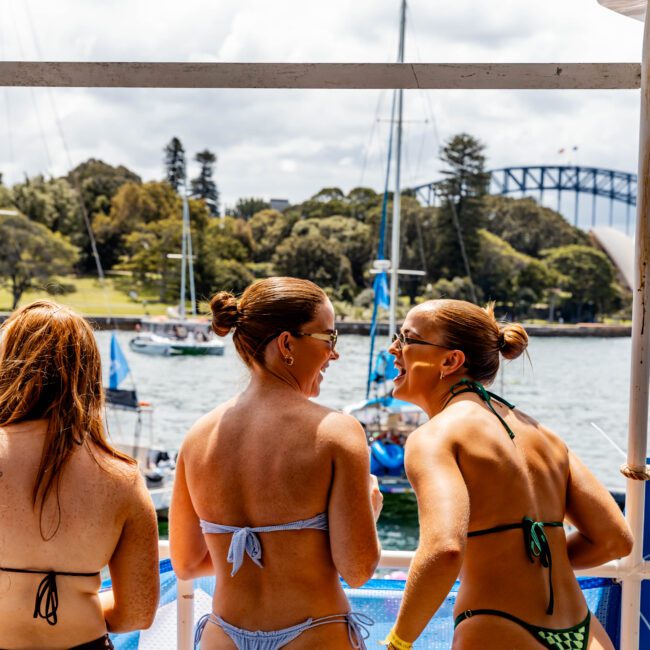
[185,615]
[640,370]
[395,230]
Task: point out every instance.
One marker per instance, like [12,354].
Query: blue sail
[119,368]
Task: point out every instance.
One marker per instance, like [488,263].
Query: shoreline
[579,330]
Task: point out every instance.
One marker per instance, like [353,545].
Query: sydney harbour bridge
[587,196]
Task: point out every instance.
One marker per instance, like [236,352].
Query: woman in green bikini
[493,488]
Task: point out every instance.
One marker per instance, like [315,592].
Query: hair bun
[513,340]
[225,313]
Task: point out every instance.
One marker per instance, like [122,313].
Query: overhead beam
[474,76]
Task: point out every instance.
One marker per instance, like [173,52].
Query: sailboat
[388,421]
[124,407]
[165,336]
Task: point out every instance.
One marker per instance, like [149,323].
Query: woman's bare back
[95,496]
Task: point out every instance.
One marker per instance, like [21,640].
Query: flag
[380,287]
[119,367]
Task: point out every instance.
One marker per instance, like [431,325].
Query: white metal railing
[616,569]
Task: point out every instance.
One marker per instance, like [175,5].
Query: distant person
[273,494]
[70,504]
[493,488]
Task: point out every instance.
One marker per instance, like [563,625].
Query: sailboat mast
[395,234]
[190,256]
[181,308]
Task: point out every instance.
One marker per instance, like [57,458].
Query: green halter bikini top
[535,540]
[537,547]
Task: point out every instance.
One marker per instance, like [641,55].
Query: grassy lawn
[89,299]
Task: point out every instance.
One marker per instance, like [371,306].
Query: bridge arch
[615,187]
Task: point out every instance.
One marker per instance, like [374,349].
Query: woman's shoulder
[337,428]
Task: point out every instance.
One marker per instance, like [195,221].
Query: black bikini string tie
[48,595]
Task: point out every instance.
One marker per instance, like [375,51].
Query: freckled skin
[106,518]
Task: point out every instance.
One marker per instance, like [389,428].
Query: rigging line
[10,144]
[32,92]
[611,442]
[423,94]
[373,129]
[75,178]
[461,242]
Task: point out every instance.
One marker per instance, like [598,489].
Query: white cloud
[291,143]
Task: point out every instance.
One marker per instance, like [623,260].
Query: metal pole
[190,258]
[395,238]
[181,308]
[640,369]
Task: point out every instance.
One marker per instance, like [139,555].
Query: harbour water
[566,383]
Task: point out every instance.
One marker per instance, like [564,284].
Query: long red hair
[50,368]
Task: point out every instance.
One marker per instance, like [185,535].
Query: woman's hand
[376,497]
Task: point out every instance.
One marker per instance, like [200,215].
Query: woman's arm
[354,502]
[602,533]
[132,603]
[443,510]
[187,548]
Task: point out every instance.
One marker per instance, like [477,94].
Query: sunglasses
[402,340]
[332,337]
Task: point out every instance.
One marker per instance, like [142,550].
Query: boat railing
[615,569]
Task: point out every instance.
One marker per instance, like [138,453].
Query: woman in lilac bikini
[273,493]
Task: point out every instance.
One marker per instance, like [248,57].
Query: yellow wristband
[393,640]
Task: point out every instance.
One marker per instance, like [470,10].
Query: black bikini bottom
[103,643]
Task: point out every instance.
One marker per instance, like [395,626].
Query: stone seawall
[363,327]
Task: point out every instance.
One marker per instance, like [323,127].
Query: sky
[291,143]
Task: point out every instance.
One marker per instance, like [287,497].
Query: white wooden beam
[323,75]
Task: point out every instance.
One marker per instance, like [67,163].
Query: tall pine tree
[461,213]
[203,186]
[175,163]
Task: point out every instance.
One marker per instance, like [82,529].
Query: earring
[442,375]
[289,360]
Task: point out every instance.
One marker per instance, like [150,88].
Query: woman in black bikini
[493,488]
[70,504]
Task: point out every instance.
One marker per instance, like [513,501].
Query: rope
[636,472]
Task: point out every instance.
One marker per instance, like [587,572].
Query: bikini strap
[535,543]
[47,594]
[469,386]
[468,613]
[537,548]
[245,539]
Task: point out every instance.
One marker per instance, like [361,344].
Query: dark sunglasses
[402,340]
[332,337]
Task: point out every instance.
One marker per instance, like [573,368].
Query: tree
[588,275]
[230,275]
[175,163]
[98,183]
[246,208]
[352,236]
[31,255]
[270,228]
[52,203]
[314,258]
[6,197]
[132,207]
[203,187]
[510,277]
[528,226]
[95,183]
[461,213]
